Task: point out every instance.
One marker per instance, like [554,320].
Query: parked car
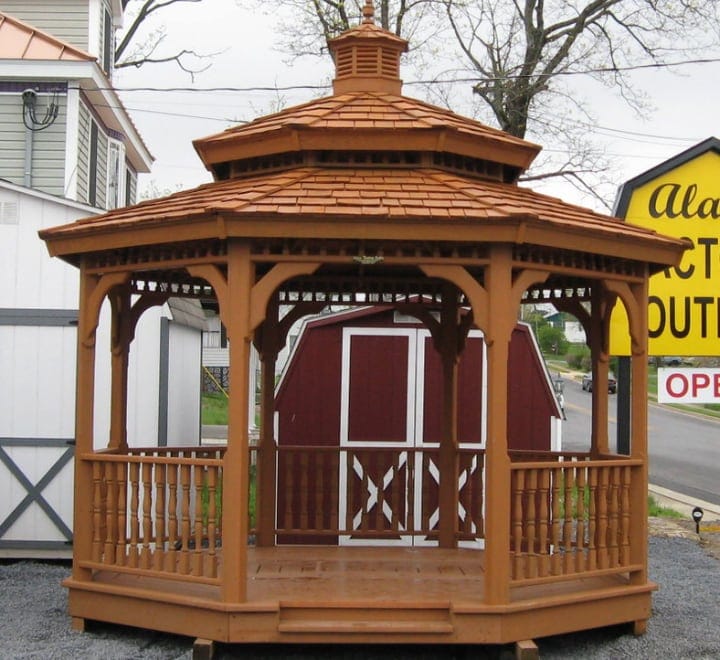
[671,361]
[587,383]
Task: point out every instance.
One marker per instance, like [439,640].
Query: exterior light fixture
[367,260]
[697,515]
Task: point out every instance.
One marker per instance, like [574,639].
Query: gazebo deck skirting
[360,594]
[157,552]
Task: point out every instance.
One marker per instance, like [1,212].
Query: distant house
[69,150]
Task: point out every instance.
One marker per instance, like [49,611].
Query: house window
[108,51]
[93,165]
[128,187]
[115,179]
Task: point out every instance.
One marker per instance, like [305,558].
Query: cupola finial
[368,12]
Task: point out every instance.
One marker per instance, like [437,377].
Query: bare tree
[141,43]
[304,27]
[522,59]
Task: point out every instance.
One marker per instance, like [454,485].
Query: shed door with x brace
[390,424]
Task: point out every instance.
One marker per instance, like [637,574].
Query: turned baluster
[543,522]
[380,484]
[121,480]
[614,516]
[159,556]
[172,485]
[518,477]
[304,494]
[110,515]
[580,522]
[198,474]
[185,519]
[480,495]
[97,517]
[568,542]
[602,526]
[530,522]
[147,521]
[592,520]
[289,463]
[365,494]
[555,565]
[334,492]
[625,521]
[134,553]
[211,518]
[319,490]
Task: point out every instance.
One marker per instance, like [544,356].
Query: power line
[431,81]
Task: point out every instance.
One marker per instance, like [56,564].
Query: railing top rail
[152,460]
[569,465]
[198,449]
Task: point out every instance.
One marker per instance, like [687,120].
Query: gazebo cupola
[367,58]
[366,123]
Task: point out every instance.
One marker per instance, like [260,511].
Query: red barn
[369,379]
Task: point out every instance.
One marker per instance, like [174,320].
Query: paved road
[684,449]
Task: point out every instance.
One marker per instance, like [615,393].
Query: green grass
[657,511]
[214,409]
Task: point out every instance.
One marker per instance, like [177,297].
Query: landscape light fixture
[697,515]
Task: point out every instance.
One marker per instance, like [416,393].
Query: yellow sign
[680,198]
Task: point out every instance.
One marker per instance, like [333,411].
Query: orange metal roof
[19,41]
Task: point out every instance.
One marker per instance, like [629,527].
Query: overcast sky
[687,102]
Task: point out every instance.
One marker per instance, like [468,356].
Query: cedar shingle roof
[383,195]
[364,111]
[19,41]
[310,169]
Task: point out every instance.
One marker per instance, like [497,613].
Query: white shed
[38,316]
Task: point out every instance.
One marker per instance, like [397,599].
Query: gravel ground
[685,622]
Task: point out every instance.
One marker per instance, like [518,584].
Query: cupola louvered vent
[367,58]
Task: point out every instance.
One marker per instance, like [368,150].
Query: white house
[69,150]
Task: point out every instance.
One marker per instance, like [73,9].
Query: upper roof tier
[366,113]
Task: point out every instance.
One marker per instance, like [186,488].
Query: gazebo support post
[267,346]
[498,283]
[120,356]
[235,463]
[600,368]
[84,406]
[639,443]
[449,349]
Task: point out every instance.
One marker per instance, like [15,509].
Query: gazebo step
[380,627]
[373,620]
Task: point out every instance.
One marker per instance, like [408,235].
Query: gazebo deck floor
[336,594]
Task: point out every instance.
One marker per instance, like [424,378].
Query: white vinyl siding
[48,145]
[102,159]
[49,150]
[70,23]
[12,138]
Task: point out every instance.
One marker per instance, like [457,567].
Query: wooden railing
[157,511]
[570,517]
[372,493]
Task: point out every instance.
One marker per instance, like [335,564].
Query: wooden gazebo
[363,197]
